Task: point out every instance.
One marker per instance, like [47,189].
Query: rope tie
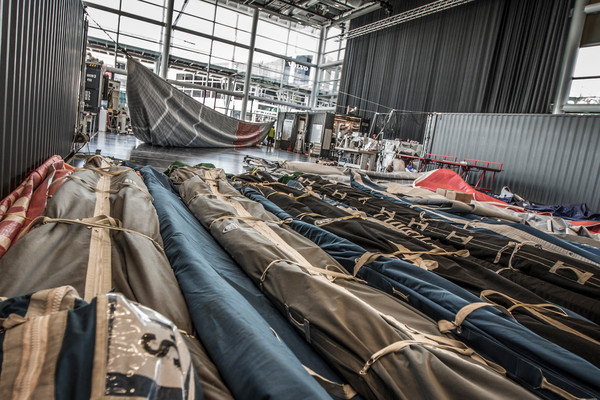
[369,257]
[517,246]
[328,221]
[14,214]
[439,342]
[558,390]
[244,218]
[226,195]
[100,221]
[446,326]
[327,272]
[342,391]
[364,199]
[309,214]
[502,250]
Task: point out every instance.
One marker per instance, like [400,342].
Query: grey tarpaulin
[165,116]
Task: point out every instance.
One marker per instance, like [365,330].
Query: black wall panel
[41,44]
[493,56]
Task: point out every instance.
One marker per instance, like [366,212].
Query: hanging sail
[165,116]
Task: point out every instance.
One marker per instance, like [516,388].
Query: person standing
[271,138]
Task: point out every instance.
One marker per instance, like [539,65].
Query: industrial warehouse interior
[298,199]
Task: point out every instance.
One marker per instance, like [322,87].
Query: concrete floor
[127,147]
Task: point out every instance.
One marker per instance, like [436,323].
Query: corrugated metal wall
[496,56]
[551,159]
[41,44]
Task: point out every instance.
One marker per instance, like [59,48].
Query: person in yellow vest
[271,138]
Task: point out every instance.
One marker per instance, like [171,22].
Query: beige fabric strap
[110,191]
[291,195]
[248,219]
[364,199]
[502,250]
[463,240]
[333,388]
[30,343]
[582,276]
[101,221]
[446,326]
[434,341]
[415,258]
[541,311]
[99,274]
[369,257]
[559,391]
[340,194]
[312,271]
[328,221]
[202,195]
[260,226]
[105,171]
[100,349]
[421,225]
[309,214]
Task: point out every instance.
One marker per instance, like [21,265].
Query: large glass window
[207,33]
[585,86]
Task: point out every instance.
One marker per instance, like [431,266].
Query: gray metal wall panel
[41,44]
[551,159]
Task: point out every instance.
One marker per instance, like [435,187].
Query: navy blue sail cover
[233,319]
[529,359]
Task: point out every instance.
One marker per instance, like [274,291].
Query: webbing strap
[446,326]
[582,276]
[333,388]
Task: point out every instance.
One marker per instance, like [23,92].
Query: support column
[164,67]
[569,56]
[249,66]
[118,33]
[315,88]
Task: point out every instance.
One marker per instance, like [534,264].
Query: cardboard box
[459,196]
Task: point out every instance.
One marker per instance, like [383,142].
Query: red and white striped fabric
[28,200]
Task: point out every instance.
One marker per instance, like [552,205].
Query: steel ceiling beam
[410,15]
